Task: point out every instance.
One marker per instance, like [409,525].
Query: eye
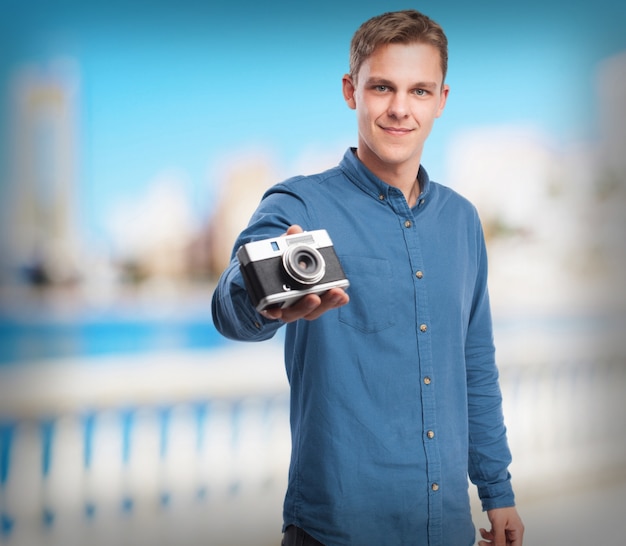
[381,88]
[421,92]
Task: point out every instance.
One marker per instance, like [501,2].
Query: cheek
[428,114]
[371,108]
[363,118]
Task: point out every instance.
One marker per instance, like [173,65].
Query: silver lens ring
[305,264]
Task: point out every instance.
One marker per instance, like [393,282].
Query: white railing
[566,423]
[168,449]
[193,448]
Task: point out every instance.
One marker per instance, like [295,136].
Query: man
[394,387]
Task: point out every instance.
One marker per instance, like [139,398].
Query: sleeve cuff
[496,496]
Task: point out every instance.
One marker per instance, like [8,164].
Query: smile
[399,131]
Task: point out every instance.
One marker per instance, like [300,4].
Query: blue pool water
[29,340]
[35,336]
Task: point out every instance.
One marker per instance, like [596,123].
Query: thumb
[291,230]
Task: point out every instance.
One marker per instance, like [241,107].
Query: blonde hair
[396,27]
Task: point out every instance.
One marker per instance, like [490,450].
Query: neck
[403,176]
[414,193]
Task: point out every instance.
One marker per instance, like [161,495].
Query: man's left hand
[507,528]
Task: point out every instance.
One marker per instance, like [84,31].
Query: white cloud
[160,219]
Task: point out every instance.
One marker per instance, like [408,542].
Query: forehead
[415,60]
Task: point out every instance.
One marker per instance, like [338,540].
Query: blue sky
[179,85]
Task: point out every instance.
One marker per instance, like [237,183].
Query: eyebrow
[388,83]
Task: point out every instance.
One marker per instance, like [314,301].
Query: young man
[394,387]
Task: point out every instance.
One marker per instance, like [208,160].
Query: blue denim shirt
[394,396]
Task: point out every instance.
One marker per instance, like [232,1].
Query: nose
[398,106]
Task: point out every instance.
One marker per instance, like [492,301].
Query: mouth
[397,131]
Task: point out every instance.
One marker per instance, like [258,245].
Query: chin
[397,157]
[391,155]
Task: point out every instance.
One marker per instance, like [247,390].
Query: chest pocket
[371,284]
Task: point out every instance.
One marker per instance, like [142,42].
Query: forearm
[489,454]
[234,315]
[488,470]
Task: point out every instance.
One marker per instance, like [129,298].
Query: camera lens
[304,264]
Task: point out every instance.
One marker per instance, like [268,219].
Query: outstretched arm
[236,318]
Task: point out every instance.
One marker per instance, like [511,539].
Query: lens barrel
[304,264]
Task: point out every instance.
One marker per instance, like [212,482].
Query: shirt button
[421,201]
[407,224]
[430,434]
[419,274]
[258,326]
[381,197]
[427,380]
[423,327]
[435,487]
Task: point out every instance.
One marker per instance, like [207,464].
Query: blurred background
[137,137]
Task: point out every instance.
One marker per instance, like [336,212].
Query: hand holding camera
[312,284]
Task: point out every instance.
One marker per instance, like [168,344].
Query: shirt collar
[360,175]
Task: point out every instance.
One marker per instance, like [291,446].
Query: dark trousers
[294,536]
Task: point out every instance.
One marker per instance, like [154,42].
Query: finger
[301,309]
[294,229]
[272,313]
[310,307]
[298,310]
[488,536]
[333,298]
[514,537]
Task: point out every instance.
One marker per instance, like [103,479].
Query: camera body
[281,270]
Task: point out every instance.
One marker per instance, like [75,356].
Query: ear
[348,91]
[444,97]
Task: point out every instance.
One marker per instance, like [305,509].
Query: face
[397,95]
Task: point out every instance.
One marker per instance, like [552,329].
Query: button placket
[414,239]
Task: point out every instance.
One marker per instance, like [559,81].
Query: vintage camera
[279,271]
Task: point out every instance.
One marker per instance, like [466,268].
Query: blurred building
[553,211]
[150,235]
[242,185]
[41,230]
